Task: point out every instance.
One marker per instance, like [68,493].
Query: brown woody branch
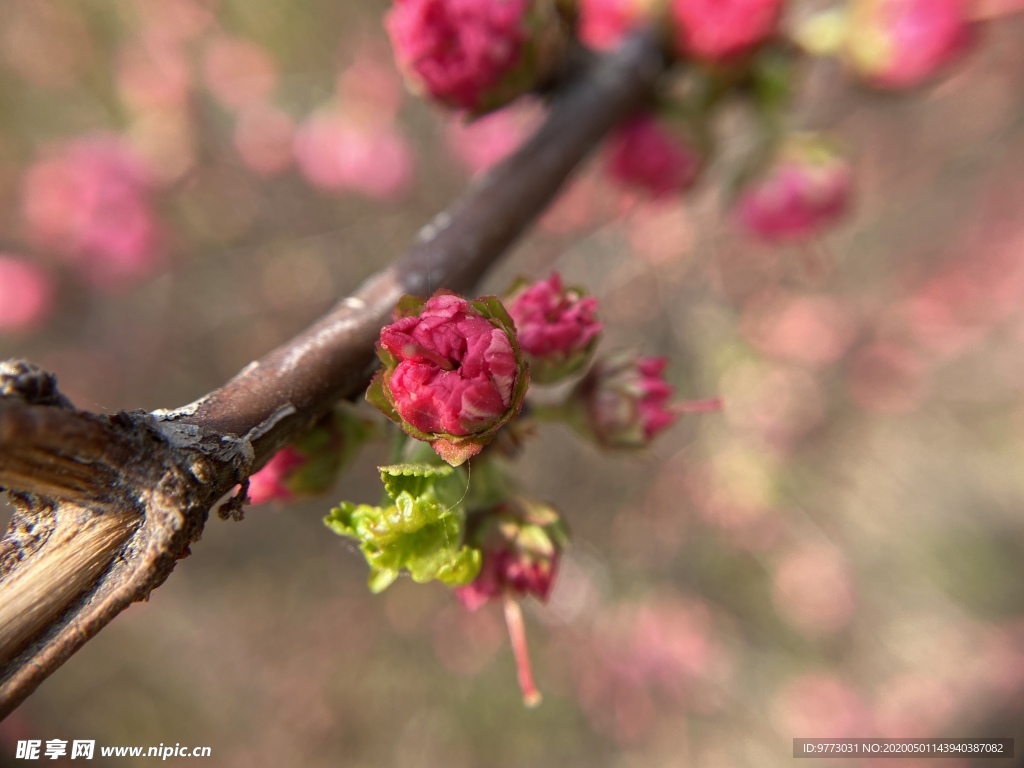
[107,505]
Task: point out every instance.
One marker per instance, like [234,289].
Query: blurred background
[186,184]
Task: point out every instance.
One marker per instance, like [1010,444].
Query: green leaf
[421,531]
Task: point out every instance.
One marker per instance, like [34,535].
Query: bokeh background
[185,184]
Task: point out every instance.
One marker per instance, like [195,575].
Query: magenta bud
[521,542]
[475,55]
[557,327]
[311,464]
[803,190]
[623,402]
[646,153]
[453,373]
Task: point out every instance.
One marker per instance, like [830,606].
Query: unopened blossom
[557,327]
[311,464]
[903,43]
[625,402]
[270,483]
[646,154]
[91,202]
[473,55]
[803,190]
[26,295]
[521,543]
[453,373]
[719,31]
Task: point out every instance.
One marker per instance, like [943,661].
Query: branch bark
[107,505]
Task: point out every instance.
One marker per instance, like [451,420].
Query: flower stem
[517,634]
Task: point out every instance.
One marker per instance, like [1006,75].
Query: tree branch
[107,505]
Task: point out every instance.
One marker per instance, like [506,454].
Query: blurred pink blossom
[238,72]
[371,83]
[887,377]
[902,43]
[603,23]
[26,295]
[719,30]
[459,50]
[913,706]
[813,589]
[815,330]
[335,152]
[173,21]
[153,74]
[820,706]
[805,189]
[644,153]
[486,141]
[90,202]
[779,403]
[264,136]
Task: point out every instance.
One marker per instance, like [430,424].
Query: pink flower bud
[623,402]
[644,153]
[557,327]
[805,189]
[311,464]
[721,30]
[522,543]
[470,54]
[271,482]
[453,372]
[902,43]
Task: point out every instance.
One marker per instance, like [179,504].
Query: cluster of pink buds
[456,371]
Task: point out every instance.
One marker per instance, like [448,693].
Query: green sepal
[409,306]
[376,395]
